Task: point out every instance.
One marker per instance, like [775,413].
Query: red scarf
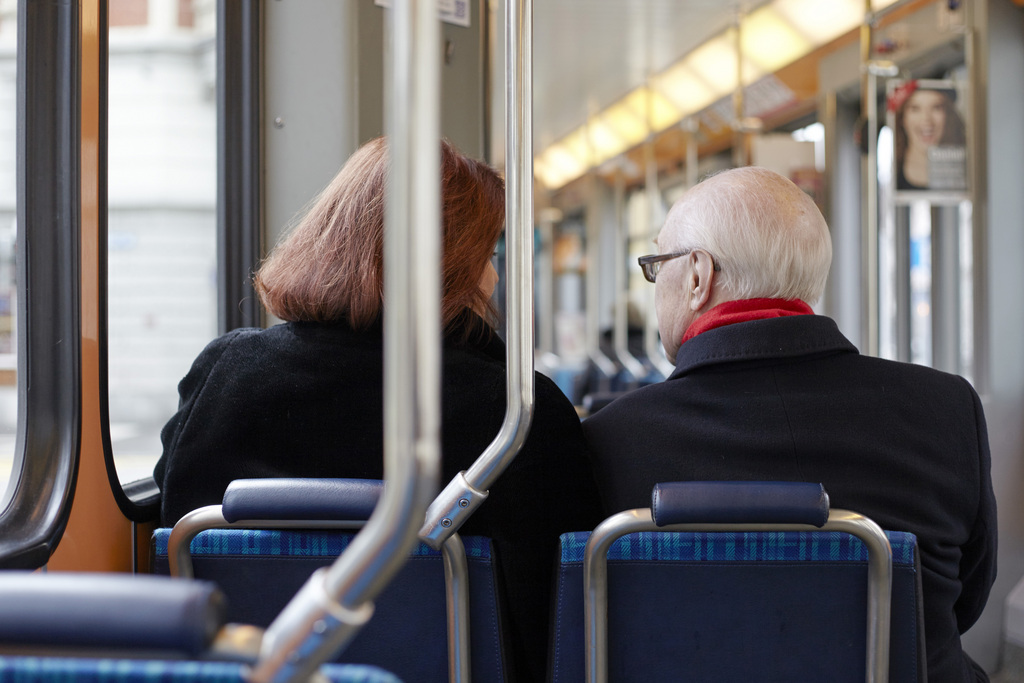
[743,310]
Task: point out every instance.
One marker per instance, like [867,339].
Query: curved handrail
[468,489]
[329,610]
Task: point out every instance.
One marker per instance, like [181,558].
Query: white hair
[766,234]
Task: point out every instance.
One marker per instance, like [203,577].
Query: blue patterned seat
[734,606]
[120,628]
[260,569]
[80,670]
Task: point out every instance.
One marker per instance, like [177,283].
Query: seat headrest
[739,502]
[110,611]
[301,499]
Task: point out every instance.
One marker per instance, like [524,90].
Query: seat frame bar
[595,580]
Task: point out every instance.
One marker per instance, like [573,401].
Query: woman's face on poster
[924,118]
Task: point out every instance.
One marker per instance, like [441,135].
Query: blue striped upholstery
[765,606]
[782,546]
[274,542]
[259,570]
[76,670]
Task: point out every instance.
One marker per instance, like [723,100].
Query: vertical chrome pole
[869,95]
[456,580]
[621,330]
[519,251]
[546,281]
[468,490]
[655,351]
[976,56]
[334,604]
[692,127]
[412,331]
[606,368]
[739,137]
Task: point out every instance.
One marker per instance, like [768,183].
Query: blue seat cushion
[779,606]
[260,570]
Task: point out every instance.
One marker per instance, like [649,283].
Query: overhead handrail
[336,601]
[468,490]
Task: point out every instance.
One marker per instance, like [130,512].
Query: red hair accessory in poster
[900,95]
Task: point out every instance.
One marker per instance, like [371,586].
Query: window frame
[239,209]
[48,269]
[139,500]
[239,163]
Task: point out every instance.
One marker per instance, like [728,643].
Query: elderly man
[763,389]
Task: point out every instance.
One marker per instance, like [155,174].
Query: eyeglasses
[652,264]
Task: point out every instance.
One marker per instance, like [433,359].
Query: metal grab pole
[469,489]
[655,350]
[604,366]
[620,337]
[869,106]
[329,610]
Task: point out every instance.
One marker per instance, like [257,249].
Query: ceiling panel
[589,53]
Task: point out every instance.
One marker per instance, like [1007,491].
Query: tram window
[161,218]
[8,194]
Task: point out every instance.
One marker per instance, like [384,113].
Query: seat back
[81,670]
[735,606]
[122,628]
[259,570]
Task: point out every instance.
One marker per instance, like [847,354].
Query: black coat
[792,399]
[306,400]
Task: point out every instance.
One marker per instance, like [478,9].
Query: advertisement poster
[927,120]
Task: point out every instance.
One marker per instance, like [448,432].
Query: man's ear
[701,279]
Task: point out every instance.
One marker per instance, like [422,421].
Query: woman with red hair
[305,398]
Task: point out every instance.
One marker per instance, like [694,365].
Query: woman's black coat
[306,400]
